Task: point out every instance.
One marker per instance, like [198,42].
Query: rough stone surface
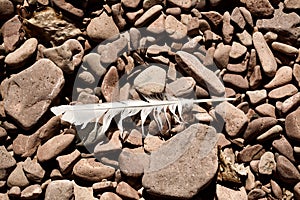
[181,173]
[11,33]
[260,8]
[175,28]
[59,190]
[283,91]
[17,177]
[249,152]
[33,170]
[125,191]
[6,162]
[26,100]
[286,171]
[225,193]
[292,124]
[31,192]
[283,76]
[267,164]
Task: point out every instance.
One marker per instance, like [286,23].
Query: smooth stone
[151,13]
[292,4]
[283,76]
[125,191]
[236,81]
[255,78]
[110,196]
[104,185]
[227,28]
[151,80]
[221,55]
[283,146]
[267,163]
[247,154]
[86,78]
[180,87]
[266,110]
[92,62]
[283,91]
[238,18]
[26,100]
[59,190]
[285,48]
[286,171]
[292,124]
[265,54]
[276,189]
[152,143]
[175,28]
[290,103]
[17,177]
[110,85]
[158,25]
[102,28]
[183,4]
[149,3]
[297,191]
[135,138]
[83,193]
[183,173]
[14,192]
[6,9]
[130,3]
[225,193]
[68,9]
[257,96]
[25,145]
[273,132]
[247,15]
[256,194]
[31,192]
[296,72]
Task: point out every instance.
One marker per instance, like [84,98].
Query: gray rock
[183,165]
[59,190]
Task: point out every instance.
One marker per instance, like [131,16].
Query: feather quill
[82,114]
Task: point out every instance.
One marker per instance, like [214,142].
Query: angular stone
[247,154]
[245,38]
[237,50]
[237,18]
[14,192]
[247,15]
[214,17]
[66,162]
[59,190]
[175,28]
[17,177]
[292,4]
[283,76]
[151,13]
[202,75]
[292,125]
[90,170]
[297,191]
[296,73]
[256,194]
[11,33]
[225,193]
[260,8]
[286,171]
[130,3]
[102,28]
[221,55]
[118,15]
[257,96]
[7,162]
[283,146]
[227,28]
[290,103]
[53,147]
[110,196]
[125,191]
[26,100]
[33,170]
[236,81]
[158,25]
[135,138]
[31,192]
[151,81]
[265,55]
[273,132]
[183,173]
[152,143]
[83,193]
[283,91]
[92,62]
[235,119]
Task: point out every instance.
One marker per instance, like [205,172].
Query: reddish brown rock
[7,162]
[6,9]
[11,33]
[151,13]
[236,81]
[183,4]
[260,8]
[68,9]
[214,17]
[125,191]
[225,193]
[227,28]
[286,171]
[283,91]
[60,189]
[247,154]
[17,177]
[110,196]
[296,72]
[290,103]
[31,192]
[175,28]
[33,170]
[283,76]
[237,18]
[66,162]
[283,146]
[110,85]
[266,110]
[292,124]
[267,163]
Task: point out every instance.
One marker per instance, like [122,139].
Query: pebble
[236,81]
[7,162]
[135,138]
[276,190]
[221,55]
[180,174]
[26,145]
[283,146]
[93,171]
[151,13]
[260,8]
[25,104]
[247,154]
[110,196]
[237,50]
[66,162]
[53,147]
[158,25]
[59,189]
[213,17]
[92,62]
[11,33]
[125,191]
[31,192]
[285,48]
[14,192]
[247,15]
[112,147]
[290,103]
[102,28]
[257,96]
[33,170]
[297,191]
[237,18]
[235,119]
[67,56]
[181,87]
[292,4]
[110,85]
[267,163]
[20,56]
[266,110]
[224,193]
[83,193]
[151,80]
[68,9]
[286,171]
[152,143]
[86,78]
[273,132]
[265,55]
[292,124]
[227,28]
[256,194]
[104,185]
[6,9]
[283,91]
[183,4]
[17,177]
[175,28]
[130,3]
[245,38]
[296,73]
[133,162]
[283,76]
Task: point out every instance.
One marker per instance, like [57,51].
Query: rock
[158,25]
[130,3]
[26,145]
[135,138]
[283,76]
[245,38]
[110,85]
[149,3]
[19,57]
[175,28]
[104,186]
[286,171]
[151,13]
[102,28]
[224,193]
[227,28]
[92,62]
[214,17]
[3,134]
[237,50]
[14,192]
[4,196]
[7,162]
[257,96]
[260,8]
[68,9]
[292,124]
[247,154]
[53,147]
[133,162]
[235,119]
[283,24]
[152,143]
[6,9]
[31,192]
[110,196]
[66,162]
[221,55]
[125,191]
[236,81]
[202,75]
[151,80]
[181,87]
[17,177]
[285,48]
[90,170]
[237,18]
[112,148]
[59,190]
[118,13]
[290,103]
[83,193]
[256,194]
[183,4]
[292,4]
[11,30]
[33,170]
[283,146]
[297,191]
[26,100]
[258,126]
[86,78]
[247,16]
[267,163]
[276,189]
[296,73]
[67,56]
[265,55]
[273,132]
[180,174]
[283,91]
